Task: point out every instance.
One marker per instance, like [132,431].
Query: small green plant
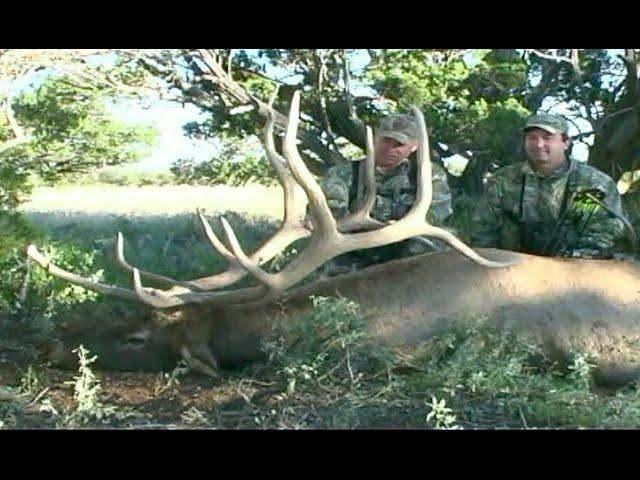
[86,392]
[30,381]
[329,342]
[441,416]
[331,371]
[581,366]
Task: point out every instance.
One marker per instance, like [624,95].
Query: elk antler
[327,241]
[361,218]
[179,292]
[291,229]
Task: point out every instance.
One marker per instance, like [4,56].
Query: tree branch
[217,75]
[547,56]
[347,84]
[13,143]
[18,131]
[323,101]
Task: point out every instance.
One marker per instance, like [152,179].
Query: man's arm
[487,220]
[335,185]
[604,230]
[440,209]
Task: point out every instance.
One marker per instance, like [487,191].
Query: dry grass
[255,200]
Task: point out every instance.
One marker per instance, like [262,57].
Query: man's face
[546,150]
[389,152]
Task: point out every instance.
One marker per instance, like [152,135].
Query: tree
[601,89]
[62,126]
[58,126]
[472,110]
[474,100]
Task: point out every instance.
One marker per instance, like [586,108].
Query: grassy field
[161,232]
[255,200]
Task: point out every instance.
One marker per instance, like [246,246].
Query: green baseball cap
[548,122]
[401,127]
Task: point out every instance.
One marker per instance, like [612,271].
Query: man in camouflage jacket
[551,204]
[343,185]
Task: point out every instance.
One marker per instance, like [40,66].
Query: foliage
[86,393]
[474,376]
[29,291]
[61,126]
[474,100]
[238,163]
[72,132]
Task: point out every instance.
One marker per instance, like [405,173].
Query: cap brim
[401,137]
[546,128]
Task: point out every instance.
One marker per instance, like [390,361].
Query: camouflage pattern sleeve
[603,232]
[440,209]
[335,185]
[486,218]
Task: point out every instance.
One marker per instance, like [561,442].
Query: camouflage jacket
[518,203]
[395,193]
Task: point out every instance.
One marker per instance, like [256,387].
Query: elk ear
[199,358]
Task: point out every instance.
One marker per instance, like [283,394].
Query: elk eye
[135,341]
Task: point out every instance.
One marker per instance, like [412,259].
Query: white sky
[168,118]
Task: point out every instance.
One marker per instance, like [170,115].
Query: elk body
[566,304]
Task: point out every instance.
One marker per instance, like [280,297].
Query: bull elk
[565,303]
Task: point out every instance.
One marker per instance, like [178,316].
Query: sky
[169,117]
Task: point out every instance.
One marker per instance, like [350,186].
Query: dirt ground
[238,400]
[139,400]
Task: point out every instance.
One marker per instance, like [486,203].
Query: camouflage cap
[548,122]
[401,127]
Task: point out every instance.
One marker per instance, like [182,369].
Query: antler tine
[324,221]
[160,299]
[167,281]
[250,266]
[215,241]
[370,179]
[150,296]
[424,191]
[47,265]
[291,203]
[361,218]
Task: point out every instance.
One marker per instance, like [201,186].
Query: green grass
[76,227]
[173,245]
